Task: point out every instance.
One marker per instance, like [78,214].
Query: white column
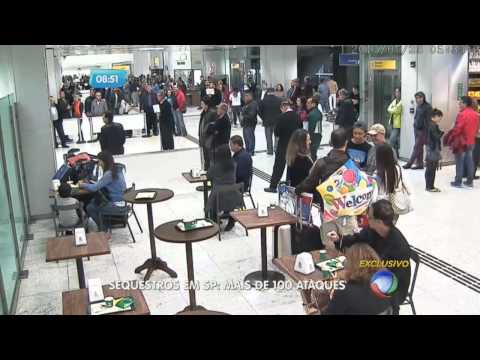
[278,64]
[36,130]
[141,63]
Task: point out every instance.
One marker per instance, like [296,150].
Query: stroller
[83,166]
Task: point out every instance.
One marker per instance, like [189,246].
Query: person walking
[395,109]
[332,98]
[302,111]
[476,149]
[220,129]
[423,113]
[166,122]
[147,100]
[77,112]
[434,148]
[314,121]
[288,122]
[249,122]
[181,109]
[269,111]
[57,124]
[324,94]
[207,117]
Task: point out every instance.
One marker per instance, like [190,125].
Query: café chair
[117,220]
[248,191]
[131,210]
[220,192]
[60,230]
[409,299]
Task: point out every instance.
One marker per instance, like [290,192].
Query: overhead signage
[121,67]
[108,78]
[383,64]
[349,59]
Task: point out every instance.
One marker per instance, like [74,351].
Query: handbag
[400,200]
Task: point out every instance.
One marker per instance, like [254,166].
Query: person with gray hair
[219,129]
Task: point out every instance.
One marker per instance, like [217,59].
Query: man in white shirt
[236,104]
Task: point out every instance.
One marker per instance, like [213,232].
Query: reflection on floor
[442,224]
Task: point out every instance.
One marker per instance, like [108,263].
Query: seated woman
[299,162]
[109,189]
[357,298]
[112,136]
[223,172]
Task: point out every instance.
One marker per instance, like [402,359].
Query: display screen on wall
[108,78]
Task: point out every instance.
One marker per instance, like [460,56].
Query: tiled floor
[443,224]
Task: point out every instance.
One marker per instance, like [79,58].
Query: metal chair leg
[131,233]
[413,307]
[251,198]
[138,222]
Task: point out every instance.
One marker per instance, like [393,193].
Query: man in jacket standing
[57,124]
[395,109]
[219,129]
[147,100]
[88,103]
[324,93]
[422,117]
[269,110]
[205,140]
[181,102]
[287,123]
[466,127]
[98,106]
[249,122]
[314,126]
[112,137]
[346,112]
[294,92]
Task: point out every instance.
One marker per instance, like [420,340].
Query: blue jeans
[179,123]
[249,137]
[394,139]
[96,212]
[464,159]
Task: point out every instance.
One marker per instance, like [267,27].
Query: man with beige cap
[377,134]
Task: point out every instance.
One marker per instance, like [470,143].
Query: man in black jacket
[287,123]
[421,119]
[387,241]
[269,111]
[243,160]
[346,112]
[112,136]
[205,140]
[326,166]
[88,103]
[249,122]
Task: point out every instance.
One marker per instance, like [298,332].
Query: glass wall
[12,212]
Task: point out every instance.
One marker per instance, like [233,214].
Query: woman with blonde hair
[299,162]
[357,296]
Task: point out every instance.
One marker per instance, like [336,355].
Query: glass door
[8,245]
[8,145]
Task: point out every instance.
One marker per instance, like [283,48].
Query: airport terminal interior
[356,166]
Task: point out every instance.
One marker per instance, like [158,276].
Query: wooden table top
[276,217]
[63,248]
[168,232]
[202,312]
[161,195]
[76,302]
[287,264]
[192,179]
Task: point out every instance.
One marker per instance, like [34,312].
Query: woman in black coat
[167,123]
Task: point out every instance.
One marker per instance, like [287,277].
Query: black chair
[131,188]
[247,191]
[409,299]
[223,189]
[117,221]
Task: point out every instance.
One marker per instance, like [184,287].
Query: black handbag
[307,238]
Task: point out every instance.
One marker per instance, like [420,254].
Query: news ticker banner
[108,78]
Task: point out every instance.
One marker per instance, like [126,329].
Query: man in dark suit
[269,111]
[221,128]
[112,136]
[346,112]
[287,123]
[167,122]
[147,100]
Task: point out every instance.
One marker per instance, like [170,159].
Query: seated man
[112,137]
[386,240]
[243,160]
[68,218]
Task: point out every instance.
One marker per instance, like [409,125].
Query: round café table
[168,232]
[202,312]
[154,263]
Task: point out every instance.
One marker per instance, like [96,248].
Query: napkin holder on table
[80,237]
[304,263]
